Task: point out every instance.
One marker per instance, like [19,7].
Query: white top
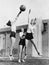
[21,34]
[31,28]
[13,27]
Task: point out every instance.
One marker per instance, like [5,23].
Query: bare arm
[17,17]
[28,14]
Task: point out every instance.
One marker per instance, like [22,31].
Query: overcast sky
[10,8]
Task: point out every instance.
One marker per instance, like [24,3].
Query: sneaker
[19,61]
[25,57]
[11,57]
[23,60]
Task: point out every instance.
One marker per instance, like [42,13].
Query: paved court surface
[29,61]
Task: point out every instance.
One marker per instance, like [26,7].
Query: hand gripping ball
[22,8]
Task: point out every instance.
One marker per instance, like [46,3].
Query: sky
[10,8]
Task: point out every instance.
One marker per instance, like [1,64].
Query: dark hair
[8,23]
[35,19]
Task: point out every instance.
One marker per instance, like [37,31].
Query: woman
[21,45]
[13,39]
[13,30]
[12,35]
[30,33]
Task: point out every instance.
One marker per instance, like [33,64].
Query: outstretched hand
[29,11]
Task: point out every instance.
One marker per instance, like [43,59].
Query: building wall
[6,43]
[45,39]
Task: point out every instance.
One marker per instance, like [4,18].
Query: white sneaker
[23,60]
[19,61]
[11,57]
[25,57]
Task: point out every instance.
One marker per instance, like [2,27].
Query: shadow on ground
[28,61]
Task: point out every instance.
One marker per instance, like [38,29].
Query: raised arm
[17,16]
[29,14]
[22,9]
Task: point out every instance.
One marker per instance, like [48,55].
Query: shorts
[29,36]
[13,34]
[22,42]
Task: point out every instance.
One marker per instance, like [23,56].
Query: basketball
[22,8]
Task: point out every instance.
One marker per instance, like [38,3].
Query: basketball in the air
[22,8]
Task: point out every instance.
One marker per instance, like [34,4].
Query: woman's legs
[20,53]
[26,45]
[12,45]
[24,49]
[35,46]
